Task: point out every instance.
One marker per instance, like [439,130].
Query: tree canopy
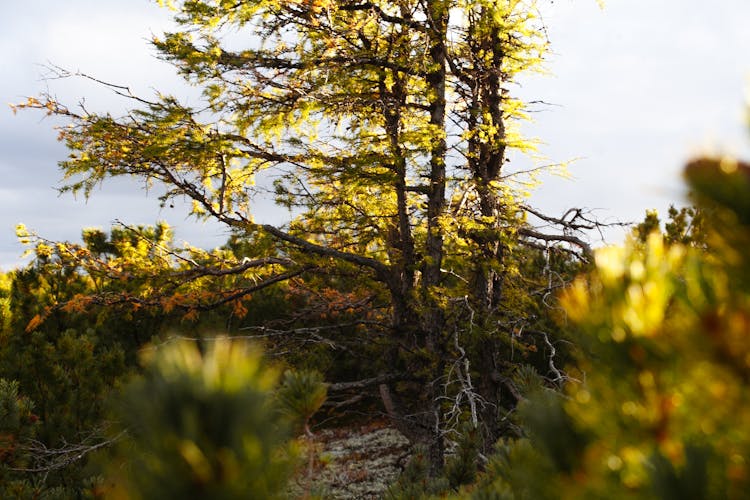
[386,128]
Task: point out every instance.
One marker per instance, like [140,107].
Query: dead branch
[574,240]
[368,382]
[45,460]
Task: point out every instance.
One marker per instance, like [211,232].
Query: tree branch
[368,382]
[381,270]
[585,247]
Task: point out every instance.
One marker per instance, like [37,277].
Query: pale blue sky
[637,89]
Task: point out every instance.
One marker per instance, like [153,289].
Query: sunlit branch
[530,233]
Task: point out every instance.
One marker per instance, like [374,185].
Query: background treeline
[75,326]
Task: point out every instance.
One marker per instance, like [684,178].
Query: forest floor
[355,462]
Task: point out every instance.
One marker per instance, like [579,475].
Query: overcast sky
[637,89]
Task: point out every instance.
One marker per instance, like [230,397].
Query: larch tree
[385,127]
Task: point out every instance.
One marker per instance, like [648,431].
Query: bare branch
[47,460]
[530,233]
[368,382]
[380,269]
[244,266]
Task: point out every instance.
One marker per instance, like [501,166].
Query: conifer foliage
[661,406]
[203,425]
[386,128]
